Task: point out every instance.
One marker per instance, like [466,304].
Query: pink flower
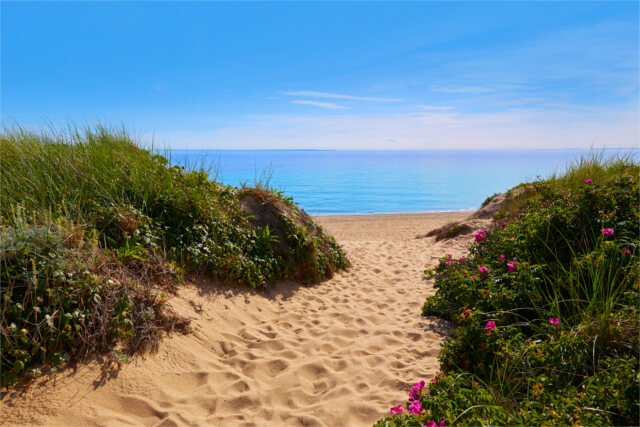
[462,259]
[626,252]
[473,277]
[449,256]
[396,410]
[516,218]
[511,266]
[588,181]
[554,321]
[483,269]
[419,386]
[502,256]
[414,394]
[503,224]
[607,231]
[430,423]
[434,380]
[448,262]
[442,423]
[491,325]
[480,236]
[415,407]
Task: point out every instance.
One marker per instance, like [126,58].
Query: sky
[324,75]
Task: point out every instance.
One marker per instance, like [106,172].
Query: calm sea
[362,182]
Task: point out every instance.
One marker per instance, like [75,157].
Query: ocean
[365,182]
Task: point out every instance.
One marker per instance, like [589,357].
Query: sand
[338,353]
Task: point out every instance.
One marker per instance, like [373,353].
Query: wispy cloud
[435,108]
[314,94]
[327,105]
[462,89]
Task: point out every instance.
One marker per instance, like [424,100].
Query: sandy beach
[337,353]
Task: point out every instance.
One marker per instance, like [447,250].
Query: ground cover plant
[546,310]
[96,231]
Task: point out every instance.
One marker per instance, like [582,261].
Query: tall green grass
[94,227]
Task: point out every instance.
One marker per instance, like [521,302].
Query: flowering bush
[550,337]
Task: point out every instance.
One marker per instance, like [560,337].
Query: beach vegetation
[545,307]
[97,232]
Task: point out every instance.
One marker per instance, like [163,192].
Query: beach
[340,352]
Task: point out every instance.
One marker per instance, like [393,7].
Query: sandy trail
[337,353]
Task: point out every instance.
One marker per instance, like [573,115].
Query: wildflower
[503,224]
[511,266]
[396,410]
[414,394]
[626,252]
[480,236]
[448,262]
[419,386]
[462,259]
[442,423]
[473,277]
[434,380]
[415,407]
[516,218]
[483,269]
[449,256]
[554,321]
[607,231]
[430,423]
[588,181]
[491,325]
[502,256]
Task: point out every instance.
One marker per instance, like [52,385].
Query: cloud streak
[326,105]
[314,94]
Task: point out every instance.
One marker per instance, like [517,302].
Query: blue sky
[420,75]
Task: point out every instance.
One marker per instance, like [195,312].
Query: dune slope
[337,353]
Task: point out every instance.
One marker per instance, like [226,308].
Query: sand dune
[337,353]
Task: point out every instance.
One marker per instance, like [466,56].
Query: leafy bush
[545,308]
[82,209]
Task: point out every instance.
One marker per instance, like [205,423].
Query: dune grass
[95,231]
[545,308]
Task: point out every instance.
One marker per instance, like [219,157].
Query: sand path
[337,353]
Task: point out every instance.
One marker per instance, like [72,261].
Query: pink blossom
[430,423]
[480,235]
[442,423]
[414,394]
[462,259]
[448,262]
[502,256]
[511,266]
[491,325]
[483,269]
[449,256]
[415,407]
[626,252]
[503,224]
[588,181]
[473,277]
[516,218]
[607,231]
[419,386]
[434,380]
[554,321]
[396,410]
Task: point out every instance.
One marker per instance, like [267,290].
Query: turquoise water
[362,182]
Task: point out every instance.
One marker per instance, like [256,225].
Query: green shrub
[545,308]
[90,225]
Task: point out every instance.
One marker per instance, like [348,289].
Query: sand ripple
[337,353]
